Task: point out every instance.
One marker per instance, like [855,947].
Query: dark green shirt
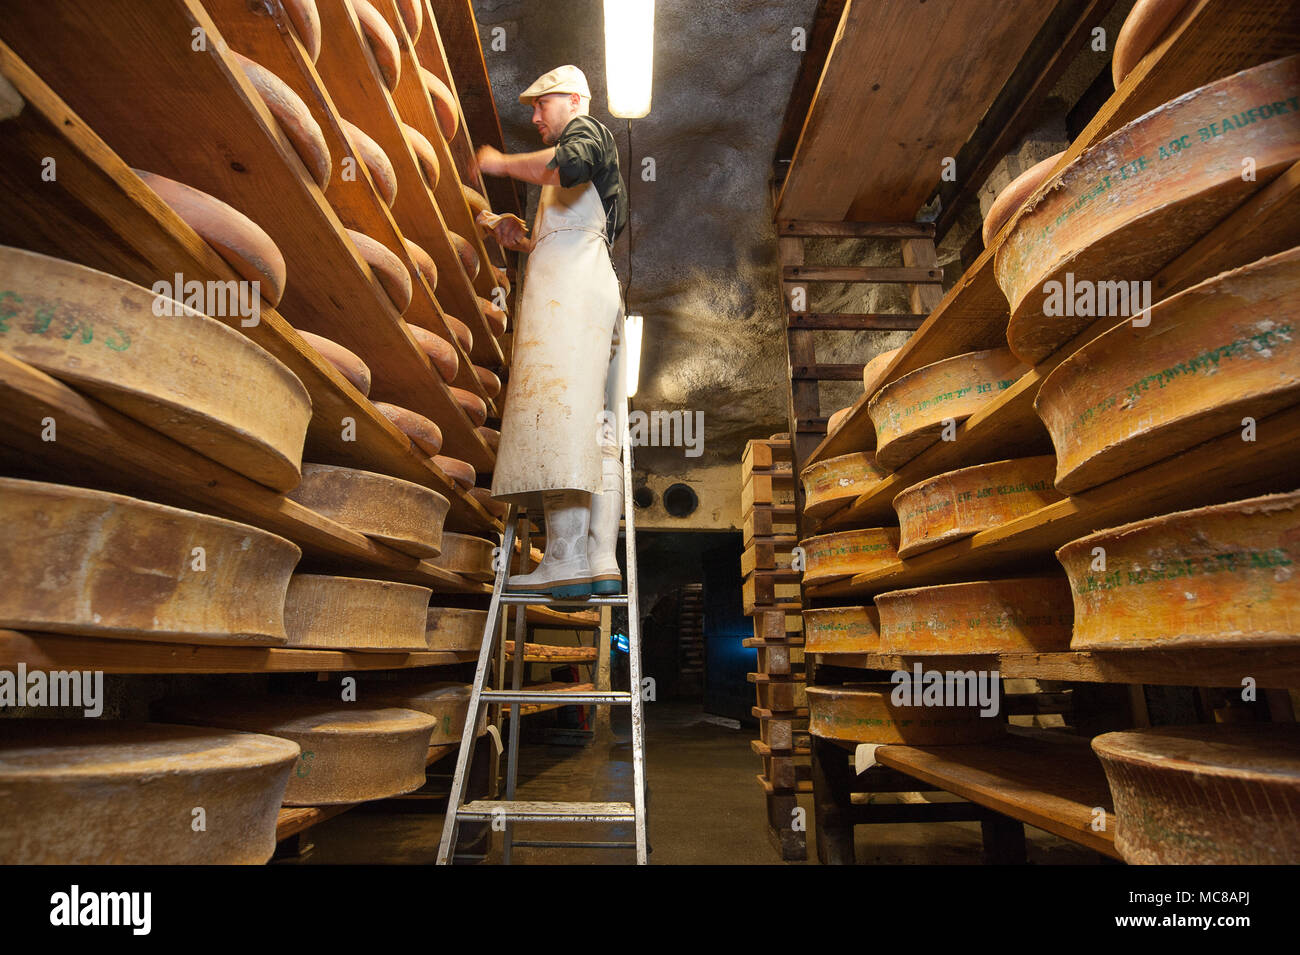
[585,152]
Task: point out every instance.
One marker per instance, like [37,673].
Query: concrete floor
[705,807]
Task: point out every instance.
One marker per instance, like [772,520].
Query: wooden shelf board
[1053,784]
[54,651]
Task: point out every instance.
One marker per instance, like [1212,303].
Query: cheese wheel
[412,12]
[875,369]
[865,713]
[468,258]
[446,703]
[404,515]
[293,116]
[393,277]
[833,482]
[424,264]
[196,380]
[830,557]
[1020,615]
[1143,26]
[841,630]
[375,160]
[1138,199]
[426,154]
[425,433]
[236,238]
[491,436]
[459,471]
[455,628]
[1218,576]
[440,351]
[476,200]
[1213,354]
[306,23]
[105,565]
[350,613]
[461,331]
[474,406]
[836,419]
[498,509]
[488,379]
[910,412]
[466,555]
[964,502]
[496,317]
[381,40]
[92,792]
[500,278]
[1225,794]
[348,364]
[445,106]
[1013,196]
[350,752]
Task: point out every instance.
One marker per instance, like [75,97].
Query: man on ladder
[566,404]
[564,437]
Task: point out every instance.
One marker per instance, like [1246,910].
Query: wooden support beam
[846,372]
[855,321]
[861,273]
[805,228]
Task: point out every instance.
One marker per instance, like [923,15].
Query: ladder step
[486,810]
[595,697]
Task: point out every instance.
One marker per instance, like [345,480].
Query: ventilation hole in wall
[680,500]
[643,497]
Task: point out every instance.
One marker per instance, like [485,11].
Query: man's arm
[530,167]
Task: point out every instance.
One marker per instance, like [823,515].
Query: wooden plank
[887,112]
[855,321]
[1054,785]
[50,651]
[860,273]
[132,74]
[838,372]
[98,213]
[1210,40]
[547,653]
[818,39]
[855,230]
[1217,471]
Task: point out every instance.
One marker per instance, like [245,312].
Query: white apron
[550,427]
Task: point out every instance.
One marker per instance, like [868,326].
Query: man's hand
[510,233]
[489,161]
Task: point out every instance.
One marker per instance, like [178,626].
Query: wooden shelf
[1053,784]
[1221,470]
[1270,667]
[532,709]
[53,651]
[130,73]
[1211,39]
[546,653]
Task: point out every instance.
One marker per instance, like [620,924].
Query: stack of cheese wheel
[350,753]
[454,628]
[960,503]
[842,554]
[1215,353]
[446,703]
[910,413]
[1010,199]
[1225,794]
[830,484]
[466,555]
[236,238]
[406,516]
[350,613]
[1216,576]
[1137,199]
[92,792]
[104,565]
[347,363]
[866,713]
[841,630]
[293,117]
[1019,615]
[188,376]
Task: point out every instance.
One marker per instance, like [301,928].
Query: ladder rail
[516,683]
[634,649]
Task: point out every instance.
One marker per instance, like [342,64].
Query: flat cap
[562,79]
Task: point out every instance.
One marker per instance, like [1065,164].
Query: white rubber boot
[564,571]
[602,539]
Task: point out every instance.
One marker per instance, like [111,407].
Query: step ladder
[509,810]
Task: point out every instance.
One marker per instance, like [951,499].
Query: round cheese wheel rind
[293,116]
[393,276]
[866,713]
[841,630]
[440,352]
[455,628]
[306,23]
[1017,615]
[348,364]
[382,41]
[466,555]
[830,557]
[474,406]
[402,514]
[376,162]
[322,612]
[831,483]
[430,165]
[425,433]
[444,104]
[1011,198]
